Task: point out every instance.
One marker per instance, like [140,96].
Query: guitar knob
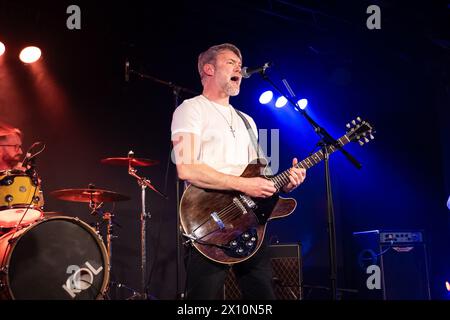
[233,243]
[253,239]
[249,244]
[246,236]
[240,250]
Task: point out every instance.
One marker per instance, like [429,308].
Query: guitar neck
[282,179]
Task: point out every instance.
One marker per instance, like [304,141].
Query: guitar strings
[225,216]
[207,219]
[230,214]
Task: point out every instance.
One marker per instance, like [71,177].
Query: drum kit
[47,255]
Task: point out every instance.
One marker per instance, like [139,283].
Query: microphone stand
[176,90]
[325,143]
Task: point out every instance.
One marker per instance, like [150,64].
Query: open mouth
[234,78]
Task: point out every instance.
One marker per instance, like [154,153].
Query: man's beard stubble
[231,90]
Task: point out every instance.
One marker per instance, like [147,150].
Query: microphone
[27,159]
[247,72]
[127,70]
[30,154]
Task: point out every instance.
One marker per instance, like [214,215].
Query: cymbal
[53,213]
[125,161]
[87,195]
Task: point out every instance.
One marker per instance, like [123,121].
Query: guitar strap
[260,153]
[255,143]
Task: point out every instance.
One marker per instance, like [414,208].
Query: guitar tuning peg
[372,137]
[366,140]
[361,143]
[354,122]
[348,125]
[358,137]
[358,119]
[364,134]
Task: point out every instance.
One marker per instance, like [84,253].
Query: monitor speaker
[287,274]
[391,265]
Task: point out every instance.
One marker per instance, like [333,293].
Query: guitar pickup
[217,220]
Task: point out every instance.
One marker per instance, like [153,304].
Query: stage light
[302,103]
[2,48]
[30,54]
[447,285]
[266,97]
[281,102]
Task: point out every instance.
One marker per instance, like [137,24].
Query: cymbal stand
[143,183]
[108,216]
[96,208]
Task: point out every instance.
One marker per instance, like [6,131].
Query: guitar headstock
[360,130]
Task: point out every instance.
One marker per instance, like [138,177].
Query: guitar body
[228,227]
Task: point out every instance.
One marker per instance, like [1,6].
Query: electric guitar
[227,226]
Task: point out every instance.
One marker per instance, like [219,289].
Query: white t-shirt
[210,122]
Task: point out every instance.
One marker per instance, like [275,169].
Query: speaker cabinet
[391,265]
[287,274]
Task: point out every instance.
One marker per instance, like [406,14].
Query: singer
[10,147]
[212,147]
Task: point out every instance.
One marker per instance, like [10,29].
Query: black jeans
[205,278]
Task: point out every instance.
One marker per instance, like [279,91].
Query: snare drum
[58,258]
[21,199]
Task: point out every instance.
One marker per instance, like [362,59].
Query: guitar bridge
[248,201]
[239,205]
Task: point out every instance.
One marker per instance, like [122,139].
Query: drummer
[10,147]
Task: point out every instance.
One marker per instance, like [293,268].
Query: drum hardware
[130,161]
[120,285]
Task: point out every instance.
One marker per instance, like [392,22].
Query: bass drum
[58,258]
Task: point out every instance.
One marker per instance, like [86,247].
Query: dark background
[76,101]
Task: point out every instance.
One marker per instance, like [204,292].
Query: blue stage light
[266,97]
[281,102]
[302,103]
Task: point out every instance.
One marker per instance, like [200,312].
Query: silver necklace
[231,112]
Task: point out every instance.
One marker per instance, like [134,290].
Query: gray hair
[210,55]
